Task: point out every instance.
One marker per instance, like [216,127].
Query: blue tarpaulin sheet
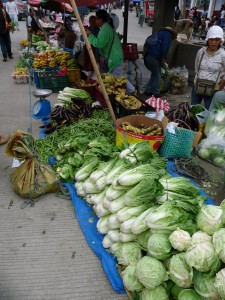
[88,220]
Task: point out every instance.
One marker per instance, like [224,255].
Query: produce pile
[143,130]
[178,80]
[168,243]
[78,143]
[52,58]
[114,85]
[72,105]
[212,148]
[184,116]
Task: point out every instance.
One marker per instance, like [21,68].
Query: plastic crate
[130,51]
[36,71]
[73,75]
[20,78]
[121,111]
[53,81]
[89,89]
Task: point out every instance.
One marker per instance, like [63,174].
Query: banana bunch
[40,64]
[24,43]
[129,102]
[72,64]
[114,85]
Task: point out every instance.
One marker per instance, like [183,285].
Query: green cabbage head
[201,256]
[219,243]
[180,272]
[220,283]
[151,272]
[209,218]
[189,294]
[200,237]
[204,286]
[159,246]
[130,280]
[180,240]
[157,293]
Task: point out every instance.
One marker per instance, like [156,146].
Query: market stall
[157,234]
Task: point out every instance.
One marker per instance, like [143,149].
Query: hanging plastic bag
[32,178]
[178,80]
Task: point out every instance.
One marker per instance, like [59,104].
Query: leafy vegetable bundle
[168,243]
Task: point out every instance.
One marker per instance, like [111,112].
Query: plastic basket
[53,81]
[130,51]
[89,89]
[20,78]
[178,145]
[35,73]
[73,75]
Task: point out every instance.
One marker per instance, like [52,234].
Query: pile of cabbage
[169,244]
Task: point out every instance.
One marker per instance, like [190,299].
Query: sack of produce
[216,122]
[32,178]
[178,80]
[200,112]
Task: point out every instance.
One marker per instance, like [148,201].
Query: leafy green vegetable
[128,212]
[130,280]
[143,238]
[201,256]
[85,171]
[159,246]
[140,224]
[135,175]
[120,166]
[209,218]
[180,240]
[152,294]
[127,253]
[144,192]
[150,272]
[169,216]
[189,294]
[175,291]
[220,283]
[219,243]
[102,224]
[200,237]
[204,285]
[180,272]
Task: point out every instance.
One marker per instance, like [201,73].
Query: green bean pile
[100,124]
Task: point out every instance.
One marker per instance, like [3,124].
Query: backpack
[151,40]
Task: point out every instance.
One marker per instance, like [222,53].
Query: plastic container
[36,71]
[53,81]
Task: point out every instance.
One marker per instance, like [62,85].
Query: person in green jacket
[109,45]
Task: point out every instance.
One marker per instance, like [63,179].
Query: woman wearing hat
[208,65]
[155,56]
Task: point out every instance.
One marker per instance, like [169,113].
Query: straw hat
[172,31]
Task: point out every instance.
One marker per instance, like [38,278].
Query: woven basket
[178,145]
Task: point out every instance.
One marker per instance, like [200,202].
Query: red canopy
[86,2]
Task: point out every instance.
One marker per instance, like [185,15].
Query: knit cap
[215,32]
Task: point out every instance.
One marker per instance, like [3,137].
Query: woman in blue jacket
[155,56]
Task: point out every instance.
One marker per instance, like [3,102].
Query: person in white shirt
[12,10]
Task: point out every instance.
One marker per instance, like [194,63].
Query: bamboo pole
[95,66]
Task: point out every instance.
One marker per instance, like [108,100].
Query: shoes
[11,57]
[18,29]
[4,59]
[4,139]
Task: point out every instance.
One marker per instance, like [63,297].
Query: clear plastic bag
[178,80]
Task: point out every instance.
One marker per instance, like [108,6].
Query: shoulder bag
[8,26]
[103,62]
[204,86]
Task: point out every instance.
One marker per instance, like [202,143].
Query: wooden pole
[95,66]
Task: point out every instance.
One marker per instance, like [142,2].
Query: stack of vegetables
[168,243]
[78,143]
[72,104]
[212,148]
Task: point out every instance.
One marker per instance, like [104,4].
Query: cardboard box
[132,138]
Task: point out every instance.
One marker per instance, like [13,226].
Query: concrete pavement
[43,254]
